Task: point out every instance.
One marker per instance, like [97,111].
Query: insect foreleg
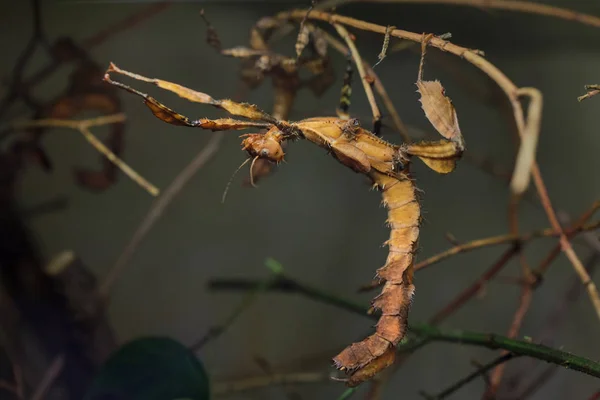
[170,116]
[246,110]
[441,156]
[346,92]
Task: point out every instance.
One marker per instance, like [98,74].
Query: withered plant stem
[387,102]
[83,126]
[156,211]
[528,7]
[361,69]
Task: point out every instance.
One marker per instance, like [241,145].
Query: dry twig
[83,126]
[508,5]
[157,209]
[341,30]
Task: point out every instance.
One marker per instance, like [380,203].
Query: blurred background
[315,217]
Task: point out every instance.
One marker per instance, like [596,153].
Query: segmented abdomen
[377,351]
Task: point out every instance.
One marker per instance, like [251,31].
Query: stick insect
[386,164]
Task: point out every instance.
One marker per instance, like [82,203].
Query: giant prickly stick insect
[385,164]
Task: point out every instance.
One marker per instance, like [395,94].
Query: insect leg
[441,156]
[246,110]
[346,92]
[166,114]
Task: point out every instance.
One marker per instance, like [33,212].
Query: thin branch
[508,5]
[156,211]
[537,382]
[125,24]
[387,101]
[565,246]
[341,30]
[49,377]
[515,326]
[83,127]
[463,297]
[423,331]
[216,331]
[554,319]
[89,43]
[595,396]
[480,371]
[494,241]
[530,283]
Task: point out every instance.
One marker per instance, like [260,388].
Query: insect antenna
[231,180]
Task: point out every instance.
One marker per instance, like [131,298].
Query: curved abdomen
[364,359]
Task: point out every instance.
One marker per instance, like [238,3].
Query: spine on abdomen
[396,297]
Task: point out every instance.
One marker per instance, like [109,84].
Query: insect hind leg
[346,91]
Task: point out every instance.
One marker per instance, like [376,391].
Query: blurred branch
[501,239]
[531,280]
[387,102]
[125,24]
[49,377]
[463,297]
[426,332]
[508,5]
[480,371]
[20,89]
[554,319]
[15,388]
[216,331]
[157,209]
[343,32]
[83,126]
[228,387]
[592,90]
[494,241]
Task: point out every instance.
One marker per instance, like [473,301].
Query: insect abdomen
[403,218]
[364,359]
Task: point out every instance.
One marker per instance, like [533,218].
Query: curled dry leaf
[441,113]
[439,109]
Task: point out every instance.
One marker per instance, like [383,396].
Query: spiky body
[387,166]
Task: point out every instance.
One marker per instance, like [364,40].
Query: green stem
[423,331]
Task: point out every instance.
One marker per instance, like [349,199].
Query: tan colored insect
[386,164]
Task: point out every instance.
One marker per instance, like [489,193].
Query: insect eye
[264,153]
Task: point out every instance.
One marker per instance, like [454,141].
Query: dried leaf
[440,156]
[439,109]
